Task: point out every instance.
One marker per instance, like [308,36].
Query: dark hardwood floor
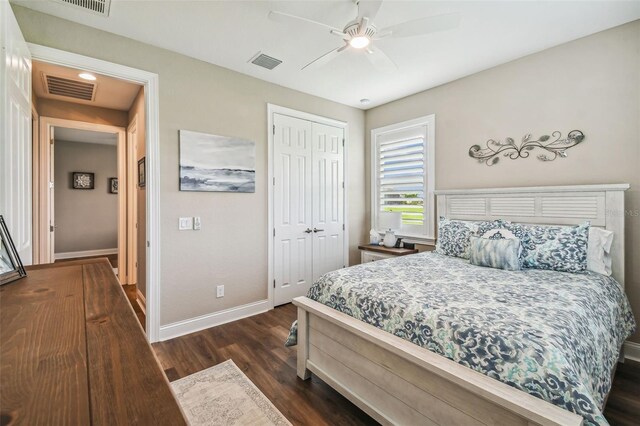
[255,344]
[623,406]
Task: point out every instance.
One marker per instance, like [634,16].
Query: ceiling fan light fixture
[359,42]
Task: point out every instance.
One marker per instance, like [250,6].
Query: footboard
[397,382]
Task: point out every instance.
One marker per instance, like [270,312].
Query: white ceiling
[84,136]
[110,92]
[229,33]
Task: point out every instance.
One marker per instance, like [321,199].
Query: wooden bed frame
[398,382]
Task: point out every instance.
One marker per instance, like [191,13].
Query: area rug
[223,395]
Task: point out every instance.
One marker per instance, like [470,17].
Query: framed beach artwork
[212,163]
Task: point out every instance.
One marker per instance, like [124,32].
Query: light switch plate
[196,223]
[185,223]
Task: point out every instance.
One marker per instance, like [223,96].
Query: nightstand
[371,253]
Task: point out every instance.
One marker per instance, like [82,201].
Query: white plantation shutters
[402,180]
[403,176]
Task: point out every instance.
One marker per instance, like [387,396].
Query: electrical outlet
[220,291]
[185,223]
[196,223]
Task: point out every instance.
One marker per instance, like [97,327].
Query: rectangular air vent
[265,61]
[60,86]
[101,7]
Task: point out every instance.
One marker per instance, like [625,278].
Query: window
[402,176]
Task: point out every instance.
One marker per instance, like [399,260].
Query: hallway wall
[86,219]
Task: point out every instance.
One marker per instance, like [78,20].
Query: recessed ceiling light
[87,76]
[359,42]
[365,101]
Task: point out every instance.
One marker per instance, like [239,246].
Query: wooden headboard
[602,205]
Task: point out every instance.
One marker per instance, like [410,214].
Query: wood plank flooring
[623,406]
[256,346]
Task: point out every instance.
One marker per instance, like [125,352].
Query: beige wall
[231,248]
[591,84]
[90,114]
[137,112]
[86,219]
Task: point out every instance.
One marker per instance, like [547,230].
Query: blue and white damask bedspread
[555,335]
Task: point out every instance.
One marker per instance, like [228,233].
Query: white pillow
[598,251]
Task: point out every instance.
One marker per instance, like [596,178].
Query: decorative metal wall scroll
[554,149]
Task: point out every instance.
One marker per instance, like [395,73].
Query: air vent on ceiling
[265,61]
[60,86]
[101,7]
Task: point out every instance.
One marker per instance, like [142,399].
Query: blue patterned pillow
[484,227]
[454,237]
[292,338]
[515,230]
[559,248]
[500,253]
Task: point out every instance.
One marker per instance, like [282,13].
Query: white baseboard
[141,300]
[86,253]
[631,351]
[192,325]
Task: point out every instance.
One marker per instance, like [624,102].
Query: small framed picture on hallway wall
[113,185]
[83,180]
[142,172]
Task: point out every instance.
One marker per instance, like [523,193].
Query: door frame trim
[150,81]
[35,186]
[131,183]
[276,109]
[43,161]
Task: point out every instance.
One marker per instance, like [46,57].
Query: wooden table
[72,352]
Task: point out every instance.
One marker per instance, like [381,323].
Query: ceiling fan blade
[368,9]
[430,24]
[380,60]
[324,59]
[285,18]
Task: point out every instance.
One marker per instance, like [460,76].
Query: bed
[526,347]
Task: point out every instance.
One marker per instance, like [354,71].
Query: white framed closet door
[15,133]
[292,188]
[328,198]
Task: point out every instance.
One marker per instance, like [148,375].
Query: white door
[328,199]
[308,203]
[292,247]
[15,131]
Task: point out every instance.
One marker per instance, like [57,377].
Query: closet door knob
[308,231]
[317,230]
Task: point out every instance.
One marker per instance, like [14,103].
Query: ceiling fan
[361,33]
